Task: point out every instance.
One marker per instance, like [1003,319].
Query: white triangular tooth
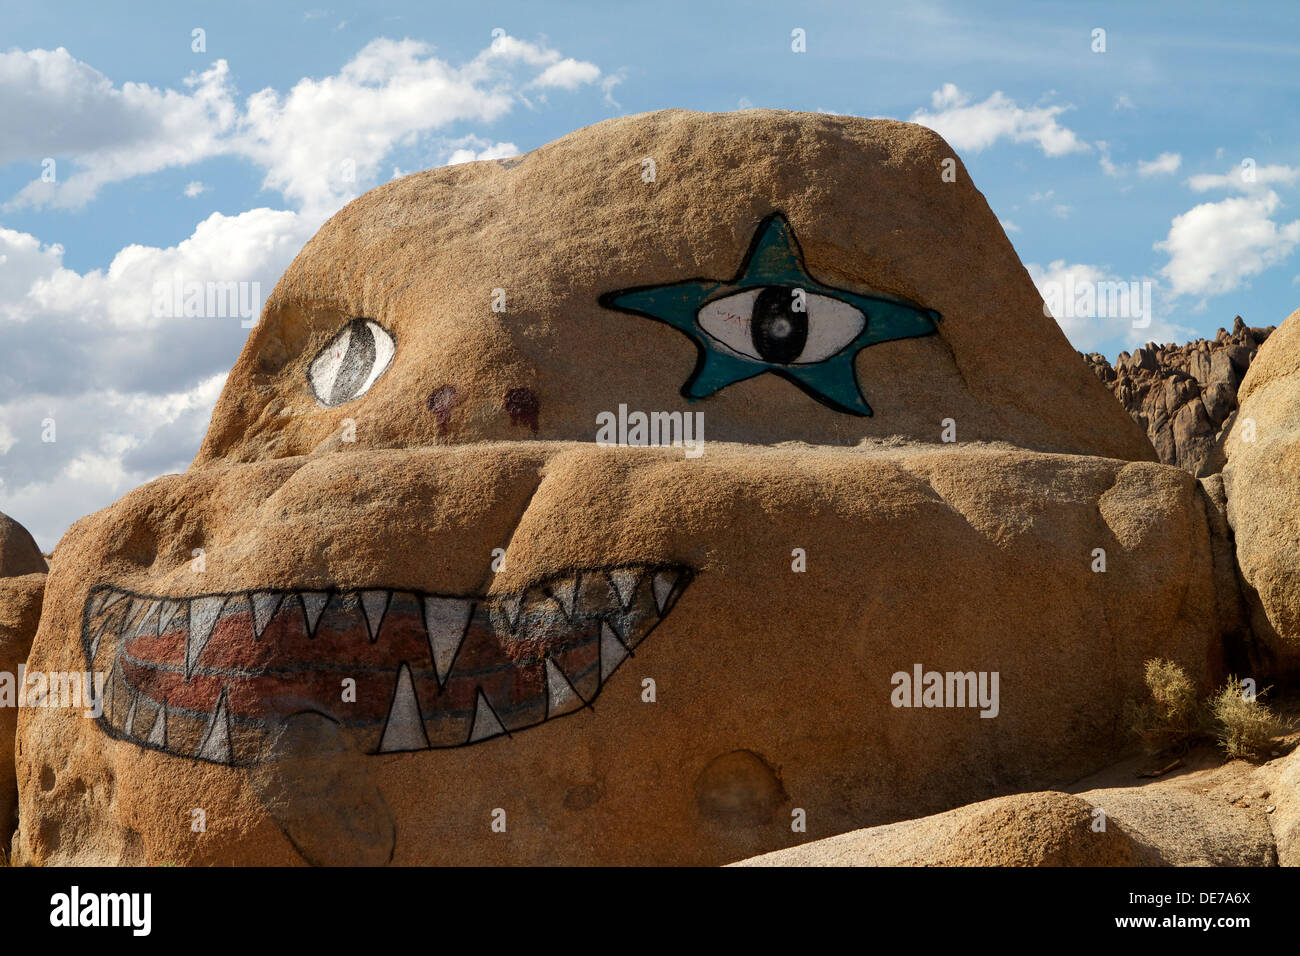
[624,581]
[511,605]
[128,726]
[135,612]
[612,651]
[663,584]
[565,594]
[375,606]
[560,695]
[97,603]
[486,722]
[445,621]
[204,612]
[150,614]
[111,598]
[166,611]
[313,606]
[124,625]
[109,622]
[404,728]
[265,604]
[216,741]
[158,732]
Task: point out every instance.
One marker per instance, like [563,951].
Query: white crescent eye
[352,362]
[782,326]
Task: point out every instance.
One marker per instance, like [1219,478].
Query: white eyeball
[781,326]
[352,362]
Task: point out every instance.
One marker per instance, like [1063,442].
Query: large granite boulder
[412,604]
[1263,452]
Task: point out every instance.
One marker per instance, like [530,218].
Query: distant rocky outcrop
[1185,396]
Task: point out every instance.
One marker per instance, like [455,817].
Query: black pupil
[779,332]
[356,364]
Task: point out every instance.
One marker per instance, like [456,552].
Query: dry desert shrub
[1244,727]
[1175,718]
[1172,717]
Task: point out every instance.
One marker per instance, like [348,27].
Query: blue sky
[1122,164]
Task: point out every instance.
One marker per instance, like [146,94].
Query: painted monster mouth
[210,677]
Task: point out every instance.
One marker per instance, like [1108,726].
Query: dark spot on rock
[320,791]
[49,835]
[739,789]
[523,407]
[581,797]
[441,402]
[47,779]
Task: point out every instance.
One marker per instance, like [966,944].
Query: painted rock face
[417,601]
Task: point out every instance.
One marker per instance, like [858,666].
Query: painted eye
[352,362]
[782,326]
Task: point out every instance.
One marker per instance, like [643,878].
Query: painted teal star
[775,262]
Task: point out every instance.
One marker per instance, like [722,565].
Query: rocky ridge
[1185,396]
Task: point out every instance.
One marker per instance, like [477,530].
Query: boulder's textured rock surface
[1026,829]
[18,551]
[1184,395]
[365,625]
[1175,827]
[20,612]
[1263,452]
[1284,798]
[22,587]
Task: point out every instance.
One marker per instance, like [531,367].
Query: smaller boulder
[1026,829]
[20,613]
[18,551]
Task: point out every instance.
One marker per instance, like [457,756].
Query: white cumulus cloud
[470,149]
[1065,288]
[568,74]
[129,392]
[977,126]
[1246,178]
[1163,165]
[321,143]
[52,106]
[1215,247]
[127,388]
